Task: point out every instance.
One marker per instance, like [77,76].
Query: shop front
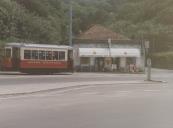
[105,59]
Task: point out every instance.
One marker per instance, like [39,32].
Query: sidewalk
[37,88]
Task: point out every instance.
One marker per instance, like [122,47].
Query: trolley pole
[71,25]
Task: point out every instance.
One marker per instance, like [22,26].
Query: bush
[163,60]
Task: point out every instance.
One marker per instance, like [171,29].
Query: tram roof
[30,45]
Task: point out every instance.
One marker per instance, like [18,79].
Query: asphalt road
[25,79]
[16,79]
[97,106]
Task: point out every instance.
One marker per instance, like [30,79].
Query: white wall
[76,56]
[92,61]
[123,62]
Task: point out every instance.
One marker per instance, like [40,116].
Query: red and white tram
[37,58]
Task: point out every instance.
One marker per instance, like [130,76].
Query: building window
[131,60]
[27,54]
[34,54]
[85,60]
[61,55]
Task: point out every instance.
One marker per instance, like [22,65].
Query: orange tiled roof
[99,32]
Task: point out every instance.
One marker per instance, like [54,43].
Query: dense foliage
[47,21]
[163,60]
[32,20]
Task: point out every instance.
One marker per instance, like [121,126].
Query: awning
[106,52]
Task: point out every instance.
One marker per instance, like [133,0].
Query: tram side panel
[43,60]
[27,59]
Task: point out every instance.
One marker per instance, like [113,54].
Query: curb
[156,81]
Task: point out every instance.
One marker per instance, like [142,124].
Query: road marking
[89,93]
[119,94]
[152,90]
[124,91]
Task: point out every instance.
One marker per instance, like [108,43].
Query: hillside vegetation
[47,21]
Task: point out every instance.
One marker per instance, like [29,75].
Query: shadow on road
[19,73]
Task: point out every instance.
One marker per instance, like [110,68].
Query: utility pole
[109,45]
[71,25]
[147,45]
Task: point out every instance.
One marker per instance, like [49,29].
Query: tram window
[55,55]
[8,52]
[34,54]
[42,55]
[27,54]
[48,55]
[61,55]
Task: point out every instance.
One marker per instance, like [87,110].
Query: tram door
[16,58]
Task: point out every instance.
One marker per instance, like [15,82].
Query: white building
[100,49]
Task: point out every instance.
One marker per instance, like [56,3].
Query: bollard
[148,69]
